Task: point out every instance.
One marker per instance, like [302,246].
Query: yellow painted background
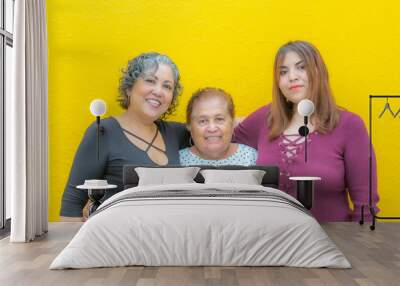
[225,43]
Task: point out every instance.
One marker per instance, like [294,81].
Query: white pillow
[163,176]
[249,177]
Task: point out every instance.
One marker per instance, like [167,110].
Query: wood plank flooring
[374,255]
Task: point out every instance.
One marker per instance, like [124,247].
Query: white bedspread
[267,228]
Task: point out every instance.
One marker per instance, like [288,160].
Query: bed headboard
[271,178]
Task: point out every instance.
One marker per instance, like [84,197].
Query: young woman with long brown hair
[338,143]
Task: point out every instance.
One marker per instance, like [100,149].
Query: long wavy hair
[326,115]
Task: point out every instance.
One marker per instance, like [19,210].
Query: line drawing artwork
[389,109]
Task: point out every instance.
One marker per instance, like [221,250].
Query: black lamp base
[305,193]
[305,190]
[95,195]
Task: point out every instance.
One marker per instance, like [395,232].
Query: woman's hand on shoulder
[237,121]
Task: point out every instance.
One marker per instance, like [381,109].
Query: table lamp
[96,188]
[305,184]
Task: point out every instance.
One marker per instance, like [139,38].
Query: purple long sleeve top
[340,158]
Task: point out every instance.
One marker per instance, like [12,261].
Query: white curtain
[26,124]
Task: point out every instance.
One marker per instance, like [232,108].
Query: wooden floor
[374,255]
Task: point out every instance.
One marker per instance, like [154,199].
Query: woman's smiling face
[211,127]
[152,93]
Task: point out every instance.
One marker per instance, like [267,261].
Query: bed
[165,221]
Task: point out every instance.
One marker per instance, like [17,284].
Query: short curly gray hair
[143,64]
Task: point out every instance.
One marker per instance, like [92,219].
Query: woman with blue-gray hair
[149,90]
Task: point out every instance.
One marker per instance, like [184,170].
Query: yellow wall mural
[227,44]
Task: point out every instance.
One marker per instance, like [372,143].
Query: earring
[190,141]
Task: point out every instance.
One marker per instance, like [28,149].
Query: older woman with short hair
[149,90]
[210,117]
